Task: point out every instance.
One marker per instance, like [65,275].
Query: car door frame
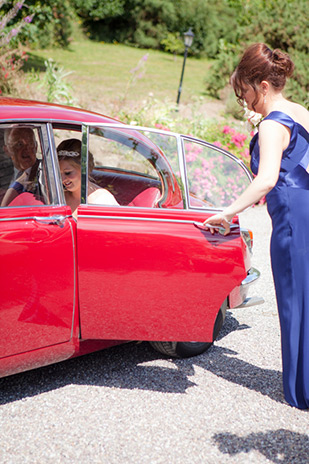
[53,221]
[215,148]
[98,223]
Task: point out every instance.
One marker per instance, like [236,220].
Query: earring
[264,99]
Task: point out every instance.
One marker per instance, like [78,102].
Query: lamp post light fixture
[188,39]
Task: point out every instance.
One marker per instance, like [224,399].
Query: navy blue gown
[288,206]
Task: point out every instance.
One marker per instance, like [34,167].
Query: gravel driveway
[129,405]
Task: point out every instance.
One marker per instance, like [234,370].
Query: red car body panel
[12,109]
[117,274]
[133,271]
[37,307]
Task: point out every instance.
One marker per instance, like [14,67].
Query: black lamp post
[188,39]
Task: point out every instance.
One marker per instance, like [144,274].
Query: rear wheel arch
[189,349]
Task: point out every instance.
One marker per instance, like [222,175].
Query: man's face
[21,147]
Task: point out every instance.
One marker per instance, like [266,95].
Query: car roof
[17,108]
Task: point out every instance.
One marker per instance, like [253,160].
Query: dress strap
[283,118]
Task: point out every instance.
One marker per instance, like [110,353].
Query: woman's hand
[219,220]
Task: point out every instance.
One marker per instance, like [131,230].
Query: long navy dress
[288,206]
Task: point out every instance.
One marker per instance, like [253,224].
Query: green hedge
[281,25]
[222,29]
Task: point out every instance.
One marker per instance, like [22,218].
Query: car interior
[119,168]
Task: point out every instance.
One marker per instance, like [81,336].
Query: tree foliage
[51,24]
[280,24]
[96,10]
[222,29]
[13,20]
[146,23]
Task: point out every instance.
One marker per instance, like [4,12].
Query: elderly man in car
[20,145]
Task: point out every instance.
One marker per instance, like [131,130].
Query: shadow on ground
[34,63]
[129,366]
[278,446]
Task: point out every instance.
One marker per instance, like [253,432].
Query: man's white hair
[9,130]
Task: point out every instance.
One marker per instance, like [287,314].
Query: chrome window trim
[27,206]
[48,161]
[55,165]
[215,149]
[180,145]
[45,133]
[75,279]
[180,138]
[51,218]
[42,120]
[84,164]
[183,174]
[136,218]
[144,129]
[221,150]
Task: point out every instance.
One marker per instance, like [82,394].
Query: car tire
[190,349]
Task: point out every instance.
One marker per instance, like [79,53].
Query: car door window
[25,166]
[215,177]
[126,165]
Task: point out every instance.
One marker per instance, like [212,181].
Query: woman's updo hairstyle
[74,146]
[259,63]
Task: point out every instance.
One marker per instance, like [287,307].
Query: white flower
[252,118]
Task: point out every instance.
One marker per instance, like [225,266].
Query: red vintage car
[145,269]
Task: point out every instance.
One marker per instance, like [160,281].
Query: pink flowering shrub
[212,176]
[11,59]
[230,139]
[161,126]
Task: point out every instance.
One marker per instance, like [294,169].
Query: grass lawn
[101,72]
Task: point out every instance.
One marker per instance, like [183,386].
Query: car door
[37,247]
[150,272]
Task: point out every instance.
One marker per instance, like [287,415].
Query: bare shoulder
[298,113]
[271,127]
[302,116]
[273,135]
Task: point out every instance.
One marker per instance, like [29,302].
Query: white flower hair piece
[68,154]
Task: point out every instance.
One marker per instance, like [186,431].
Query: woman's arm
[273,139]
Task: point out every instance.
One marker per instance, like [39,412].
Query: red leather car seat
[147,198]
[25,199]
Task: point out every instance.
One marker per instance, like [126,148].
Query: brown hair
[75,147]
[259,63]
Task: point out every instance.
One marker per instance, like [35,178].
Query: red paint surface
[119,274]
[152,280]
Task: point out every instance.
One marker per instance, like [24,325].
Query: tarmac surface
[129,404]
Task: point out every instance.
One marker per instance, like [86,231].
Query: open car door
[149,272]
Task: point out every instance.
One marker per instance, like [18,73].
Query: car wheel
[181,349]
[189,349]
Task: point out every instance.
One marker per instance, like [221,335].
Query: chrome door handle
[200,225]
[57,220]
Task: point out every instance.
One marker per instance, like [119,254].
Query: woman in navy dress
[280,160]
